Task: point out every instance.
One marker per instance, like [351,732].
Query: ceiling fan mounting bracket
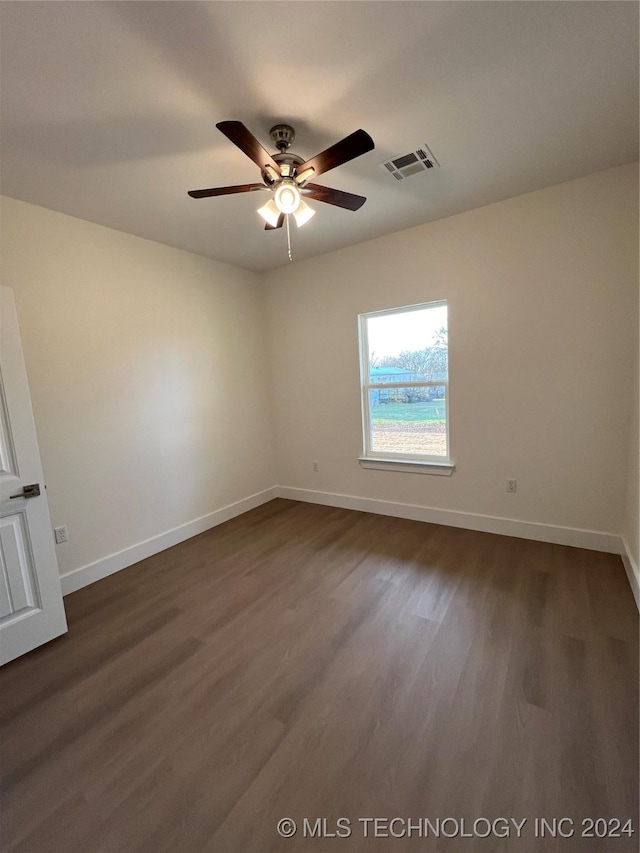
[283,136]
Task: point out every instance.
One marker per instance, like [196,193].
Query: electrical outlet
[512,485]
[316,467]
[61,534]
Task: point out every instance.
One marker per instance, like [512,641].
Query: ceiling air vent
[419,160]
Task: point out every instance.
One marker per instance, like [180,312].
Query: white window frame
[408,462]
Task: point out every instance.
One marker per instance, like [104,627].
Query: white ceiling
[108,110]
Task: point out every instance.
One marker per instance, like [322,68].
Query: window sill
[411,466]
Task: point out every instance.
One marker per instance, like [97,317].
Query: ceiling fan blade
[268,227]
[241,188]
[246,142]
[337,197]
[357,143]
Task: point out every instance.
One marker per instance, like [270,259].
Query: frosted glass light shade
[270,213]
[303,213]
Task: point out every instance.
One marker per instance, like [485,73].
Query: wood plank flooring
[309,662]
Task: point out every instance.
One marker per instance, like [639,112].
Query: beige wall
[543,308]
[152,390]
[148,378]
[631,527]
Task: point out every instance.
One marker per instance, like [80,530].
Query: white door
[31,608]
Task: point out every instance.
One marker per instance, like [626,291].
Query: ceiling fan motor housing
[285,158]
[283,136]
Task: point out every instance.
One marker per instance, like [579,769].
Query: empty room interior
[319,441]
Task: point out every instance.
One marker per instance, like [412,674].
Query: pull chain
[288,238]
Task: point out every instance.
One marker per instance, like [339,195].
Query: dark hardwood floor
[304,661]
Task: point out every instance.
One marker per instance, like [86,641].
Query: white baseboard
[85,575]
[594,540]
[633,573]
[591,539]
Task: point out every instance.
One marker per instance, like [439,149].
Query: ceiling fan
[287,175]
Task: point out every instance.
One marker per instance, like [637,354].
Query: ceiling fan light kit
[286,174]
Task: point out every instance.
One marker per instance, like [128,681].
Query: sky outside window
[407,330]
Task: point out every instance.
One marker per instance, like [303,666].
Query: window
[405,388]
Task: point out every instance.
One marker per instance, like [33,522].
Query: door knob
[31,491]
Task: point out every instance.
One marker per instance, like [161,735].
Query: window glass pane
[408,345]
[408,420]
